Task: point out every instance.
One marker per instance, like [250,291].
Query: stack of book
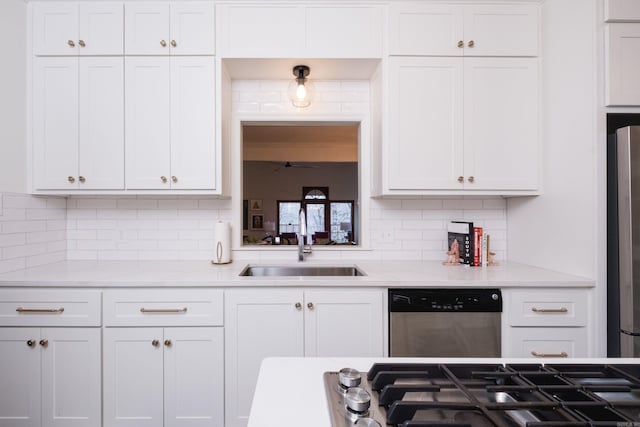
[473,244]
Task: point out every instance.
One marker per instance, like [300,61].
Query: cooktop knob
[349,377]
[367,422]
[357,400]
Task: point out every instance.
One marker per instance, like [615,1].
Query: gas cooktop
[485,395]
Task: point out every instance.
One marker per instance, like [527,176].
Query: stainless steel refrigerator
[626,304]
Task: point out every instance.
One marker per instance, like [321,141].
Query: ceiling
[300,142]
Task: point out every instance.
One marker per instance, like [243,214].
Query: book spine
[485,255]
[477,246]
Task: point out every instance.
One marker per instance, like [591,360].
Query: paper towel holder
[220,256]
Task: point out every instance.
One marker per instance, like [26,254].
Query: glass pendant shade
[301,89]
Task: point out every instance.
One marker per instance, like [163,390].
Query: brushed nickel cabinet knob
[71,179]
[298,306]
[471,179]
[82,43]
[31,343]
[167,343]
[310,306]
[44,343]
[81,178]
[71,43]
[471,43]
[461,179]
[155,343]
[163,179]
[163,43]
[460,43]
[174,178]
[173,43]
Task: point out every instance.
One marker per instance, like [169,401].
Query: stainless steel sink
[299,270]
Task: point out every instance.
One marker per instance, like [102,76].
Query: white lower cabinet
[163,358]
[281,322]
[50,377]
[163,377]
[546,323]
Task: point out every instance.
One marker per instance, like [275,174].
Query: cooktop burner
[478,395]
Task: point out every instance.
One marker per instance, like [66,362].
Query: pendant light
[301,89]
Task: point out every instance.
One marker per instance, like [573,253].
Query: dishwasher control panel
[439,300]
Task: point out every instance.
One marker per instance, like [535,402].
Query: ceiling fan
[286,165]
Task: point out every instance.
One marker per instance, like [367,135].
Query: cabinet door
[146,28]
[55,28]
[55,118]
[71,386]
[424,149]
[258,324]
[147,127]
[101,127]
[419,29]
[133,377]
[501,123]
[193,139]
[273,31]
[343,31]
[502,30]
[343,323]
[622,64]
[20,372]
[101,28]
[192,28]
[193,377]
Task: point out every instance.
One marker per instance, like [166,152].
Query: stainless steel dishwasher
[444,322]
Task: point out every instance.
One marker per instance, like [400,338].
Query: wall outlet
[386,236]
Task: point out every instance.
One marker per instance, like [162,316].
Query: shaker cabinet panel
[252,31]
[622,64]
[78,28]
[501,123]
[170,123]
[344,31]
[78,123]
[163,28]
[463,30]
[20,369]
[621,11]
[147,122]
[425,141]
[55,118]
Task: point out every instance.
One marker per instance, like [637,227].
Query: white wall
[563,220]
[13,19]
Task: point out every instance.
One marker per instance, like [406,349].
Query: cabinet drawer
[163,307]
[37,307]
[545,343]
[547,308]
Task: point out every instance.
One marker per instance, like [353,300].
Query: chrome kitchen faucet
[302,247]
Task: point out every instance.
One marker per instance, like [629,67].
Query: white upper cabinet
[77,28]
[78,123]
[622,11]
[299,30]
[622,65]
[453,30]
[170,123]
[163,28]
[461,124]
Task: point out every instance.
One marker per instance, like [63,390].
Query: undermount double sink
[300,270]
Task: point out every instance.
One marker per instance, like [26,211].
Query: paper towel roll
[222,243]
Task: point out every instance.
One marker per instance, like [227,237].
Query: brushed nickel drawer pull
[163,310]
[40,310]
[561,354]
[550,310]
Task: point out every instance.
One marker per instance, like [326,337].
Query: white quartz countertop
[290,391]
[203,273]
